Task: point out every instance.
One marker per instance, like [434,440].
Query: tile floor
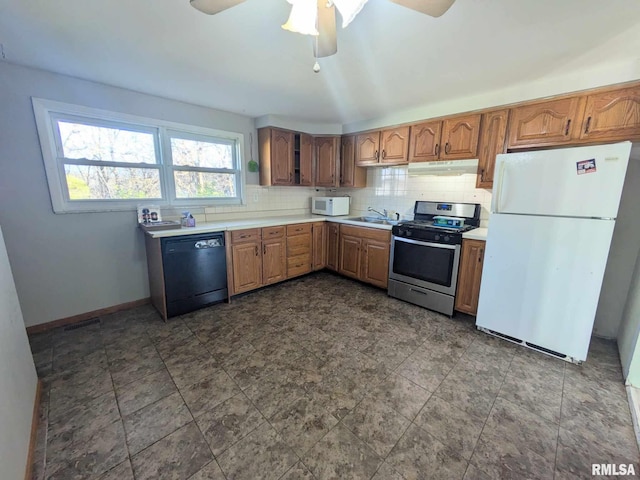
[320,378]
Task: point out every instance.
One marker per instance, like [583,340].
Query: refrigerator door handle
[499,189]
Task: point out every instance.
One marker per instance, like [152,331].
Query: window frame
[48,112]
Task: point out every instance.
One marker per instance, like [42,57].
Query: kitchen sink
[378,220]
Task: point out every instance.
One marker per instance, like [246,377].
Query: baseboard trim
[43,327]
[34,431]
[634,406]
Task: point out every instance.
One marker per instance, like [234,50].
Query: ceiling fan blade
[433,8]
[211,7]
[326,43]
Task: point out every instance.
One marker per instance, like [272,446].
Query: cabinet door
[368,148]
[350,256]
[612,115]
[375,263]
[350,175]
[326,162]
[281,157]
[469,276]
[319,249]
[394,144]
[424,145]
[549,123]
[333,230]
[492,142]
[274,261]
[306,159]
[247,266]
[460,137]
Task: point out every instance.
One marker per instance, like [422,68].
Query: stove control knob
[446,238]
[407,232]
[437,237]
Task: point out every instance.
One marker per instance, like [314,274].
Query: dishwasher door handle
[212,243]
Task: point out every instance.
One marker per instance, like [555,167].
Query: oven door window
[423,262]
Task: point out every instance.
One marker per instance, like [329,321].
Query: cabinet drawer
[298,265]
[298,229]
[249,235]
[299,245]
[273,232]
[365,232]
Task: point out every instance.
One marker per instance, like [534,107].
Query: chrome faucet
[385,214]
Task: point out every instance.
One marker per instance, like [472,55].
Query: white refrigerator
[552,219]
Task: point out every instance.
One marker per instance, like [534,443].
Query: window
[100,161]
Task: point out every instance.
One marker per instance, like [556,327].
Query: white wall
[18,379]
[628,336]
[69,264]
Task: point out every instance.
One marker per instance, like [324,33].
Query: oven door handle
[426,244]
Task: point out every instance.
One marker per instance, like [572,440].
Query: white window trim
[44,109]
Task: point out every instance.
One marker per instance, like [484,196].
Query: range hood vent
[444,167]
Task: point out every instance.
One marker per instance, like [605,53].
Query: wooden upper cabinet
[326,162]
[306,160]
[394,145]
[549,123]
[613,115]
[367,148]
[424,145]
[350,175]
[281,157]
[492,142]
[460,137]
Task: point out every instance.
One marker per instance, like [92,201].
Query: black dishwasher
[195,271]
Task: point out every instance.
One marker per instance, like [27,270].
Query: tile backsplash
[393,189]
[388,188]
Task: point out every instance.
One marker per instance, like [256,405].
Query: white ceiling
[390,58]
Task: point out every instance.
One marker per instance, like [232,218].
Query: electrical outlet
[3,55]
[255,198]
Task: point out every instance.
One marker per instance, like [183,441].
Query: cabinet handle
[376,155]
[480,256]
[301,178]
[264,249]
[384,153]
[566,130]
[586,128]
[482,174]
[437,149]
[257,251]
[447,148]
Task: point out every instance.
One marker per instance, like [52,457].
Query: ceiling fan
[318,17]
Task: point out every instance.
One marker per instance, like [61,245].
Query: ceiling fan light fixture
[303,17]
[348,9]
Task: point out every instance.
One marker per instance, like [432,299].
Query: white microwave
[331,206]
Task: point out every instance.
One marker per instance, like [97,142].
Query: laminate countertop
[230,225]
[476,234]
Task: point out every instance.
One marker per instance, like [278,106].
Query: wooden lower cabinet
[274,261]
[350,255]
[319,249]
[247,266]
[333,246]
[469,276]
[364,254]
[299,249]
[375,263]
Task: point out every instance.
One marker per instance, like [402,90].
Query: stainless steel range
[425,253]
